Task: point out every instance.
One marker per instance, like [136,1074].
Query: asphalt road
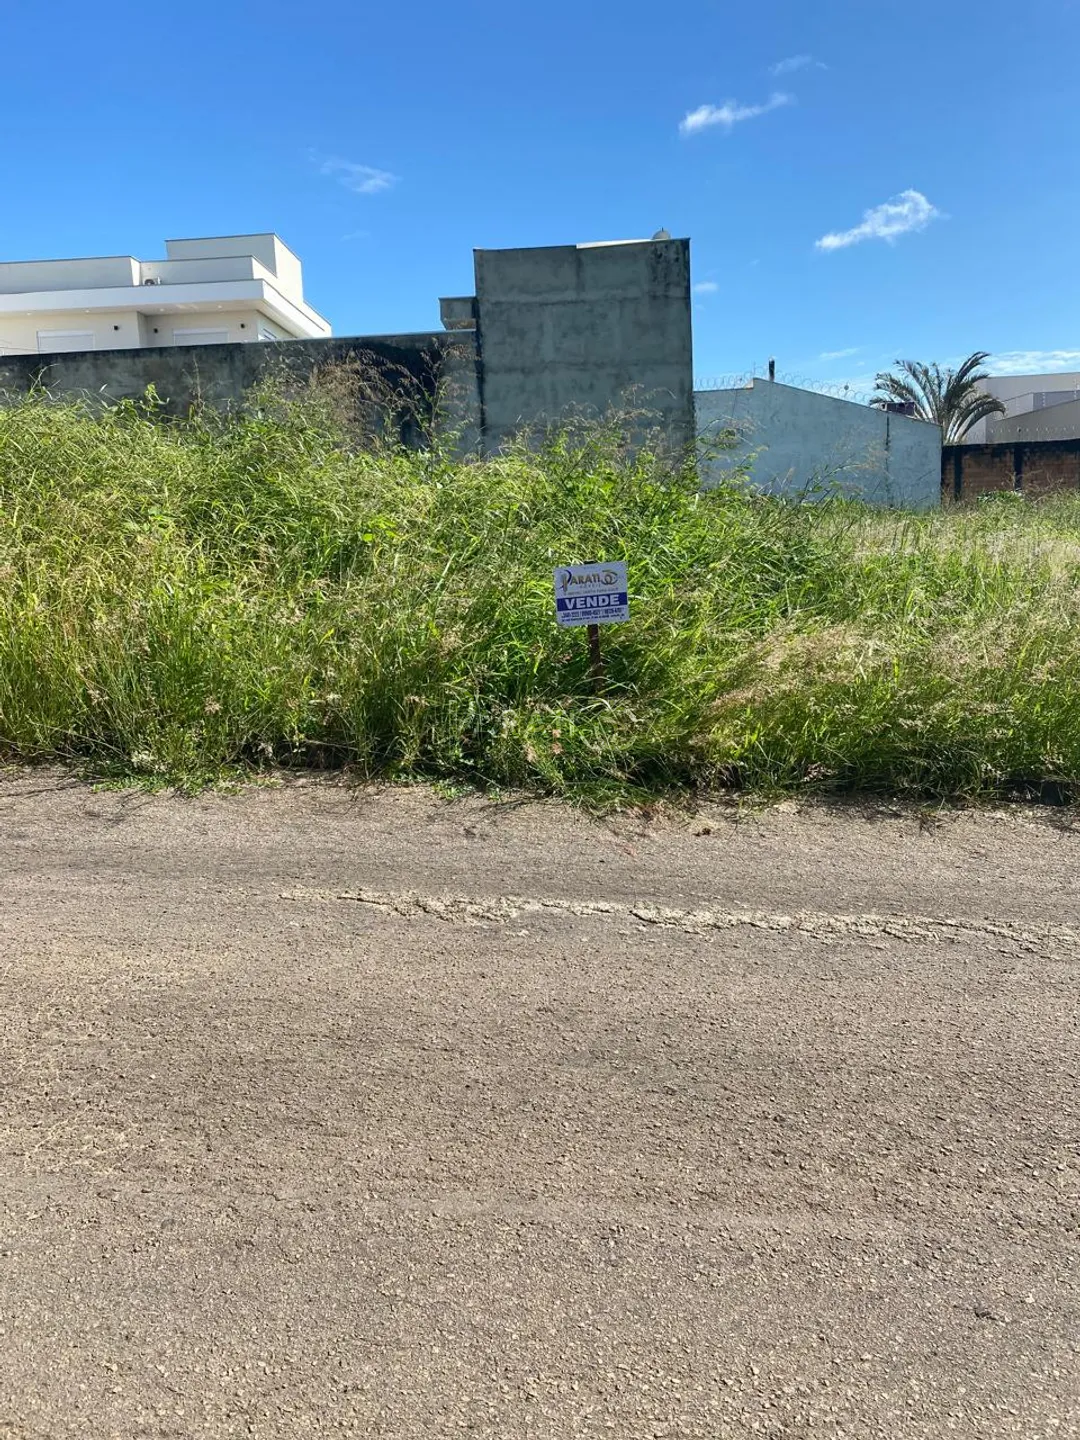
[366,1112]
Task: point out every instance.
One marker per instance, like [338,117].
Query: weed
[185,601]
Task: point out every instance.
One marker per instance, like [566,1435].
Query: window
[200,337]
[265,333]
[55,342]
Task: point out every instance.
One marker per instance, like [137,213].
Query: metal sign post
[592,595]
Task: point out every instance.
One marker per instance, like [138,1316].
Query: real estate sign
[591,594]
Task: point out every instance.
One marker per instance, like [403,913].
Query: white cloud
[839,354]
[1033,362]
[706,287]
[792,63]
[904,213]
[730,114]
[361,179]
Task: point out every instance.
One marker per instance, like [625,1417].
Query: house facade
[214,290]
[1037,407]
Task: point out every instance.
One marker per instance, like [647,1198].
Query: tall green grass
[183,600]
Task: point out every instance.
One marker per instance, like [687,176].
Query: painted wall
[1016,391]
[575,327]
[19,277]
[195,271]
[289,272]
[111,329]
[267,248]
[122,329]
[1055,422]
[807,445]
[180,328]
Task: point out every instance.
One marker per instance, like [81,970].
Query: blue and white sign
[591,594]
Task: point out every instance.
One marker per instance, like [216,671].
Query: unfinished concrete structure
[583,327]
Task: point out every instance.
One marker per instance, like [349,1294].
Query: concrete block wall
[578,328]
[221,375]
[807,446]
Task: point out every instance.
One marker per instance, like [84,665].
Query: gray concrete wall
[575,328]
[220,375]
[807,445]
[212,373]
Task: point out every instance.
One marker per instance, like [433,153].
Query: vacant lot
[227,594]
[331,1112]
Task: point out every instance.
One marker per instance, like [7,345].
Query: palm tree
[949,398]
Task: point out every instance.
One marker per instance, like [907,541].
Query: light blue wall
[808,445]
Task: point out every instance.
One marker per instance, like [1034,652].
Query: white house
[1032,408]
[224,289]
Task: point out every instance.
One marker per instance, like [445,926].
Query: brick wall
[1037,467]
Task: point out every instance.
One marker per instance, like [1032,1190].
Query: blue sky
[384,142]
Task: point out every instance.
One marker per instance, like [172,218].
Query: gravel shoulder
[330,1111]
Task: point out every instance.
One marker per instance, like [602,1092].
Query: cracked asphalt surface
[331,1111]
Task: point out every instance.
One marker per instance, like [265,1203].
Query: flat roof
[67,259]
[575,245]
[174,240]
[602,244]
[241,235]
[1036,375]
